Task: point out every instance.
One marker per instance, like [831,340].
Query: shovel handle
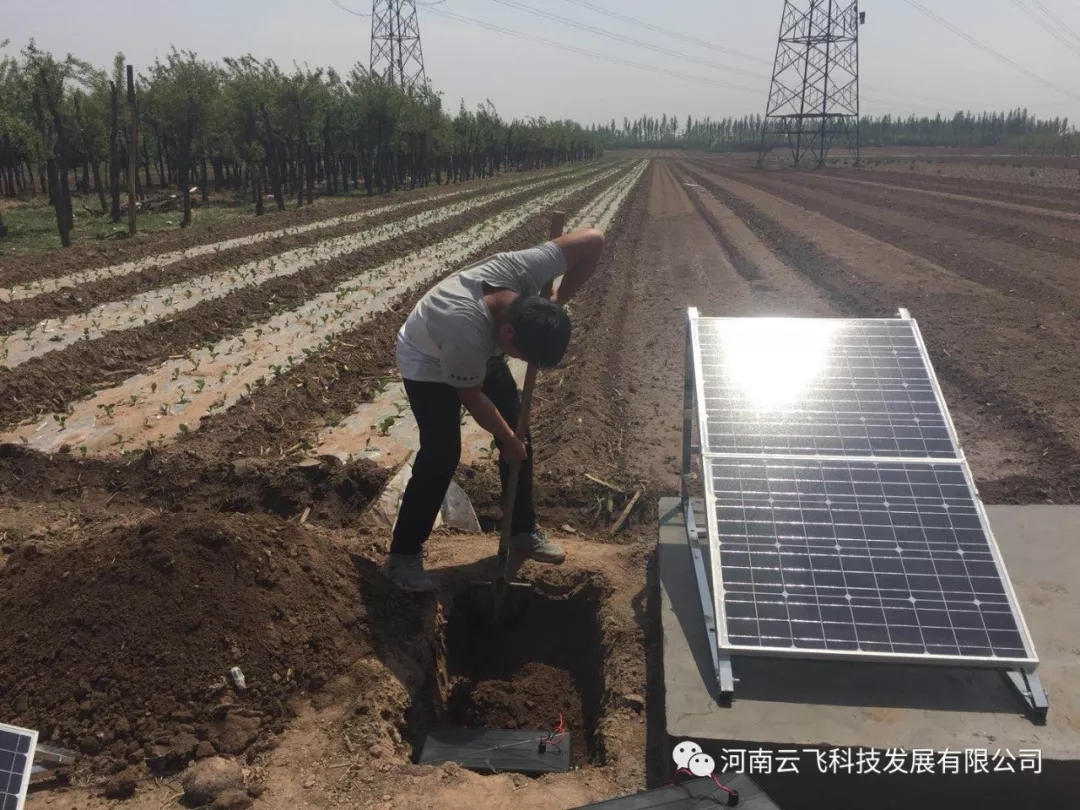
[555,230]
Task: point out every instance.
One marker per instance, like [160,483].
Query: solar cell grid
[16,760]
[818,387]
[858,556]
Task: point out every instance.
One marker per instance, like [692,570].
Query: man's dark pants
[437,410]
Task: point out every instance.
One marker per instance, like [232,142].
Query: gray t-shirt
[450,334]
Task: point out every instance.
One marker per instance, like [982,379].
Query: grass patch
[32,225]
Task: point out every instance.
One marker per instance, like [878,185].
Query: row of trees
[247,126]
[726,134]
[1017,129]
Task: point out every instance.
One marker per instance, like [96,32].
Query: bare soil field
[165,512]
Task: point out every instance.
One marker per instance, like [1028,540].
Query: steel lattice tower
[814,95]
[395,43]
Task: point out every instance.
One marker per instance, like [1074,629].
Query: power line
[706,62]
[987,49]
[629,40]
[348,10]
[1057,20]
[584,52]
[657,29]
[1043,24]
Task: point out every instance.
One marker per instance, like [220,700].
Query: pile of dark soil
[121,647]
[534,699]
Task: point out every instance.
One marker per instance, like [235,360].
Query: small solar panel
[16,759]
[819,387]
[859,557]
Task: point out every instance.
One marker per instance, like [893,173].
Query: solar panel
[819,387]
[859,557]
[842,518]
[16,759]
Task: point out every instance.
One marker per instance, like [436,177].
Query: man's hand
[515,450]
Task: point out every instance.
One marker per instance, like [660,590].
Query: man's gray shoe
[407,572]
[536,546]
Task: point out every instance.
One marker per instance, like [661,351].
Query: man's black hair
[541,330]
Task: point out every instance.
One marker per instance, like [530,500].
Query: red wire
[558,733]
[724,788]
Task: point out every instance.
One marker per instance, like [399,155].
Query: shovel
[504,600]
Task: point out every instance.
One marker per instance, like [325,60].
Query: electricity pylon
[814,94]
[395,43]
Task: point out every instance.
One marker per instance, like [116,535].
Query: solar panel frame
[725,645]
[13,784]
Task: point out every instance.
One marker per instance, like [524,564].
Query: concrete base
[791,704]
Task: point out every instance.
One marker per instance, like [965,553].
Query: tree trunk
[146,162]
[300,170]
[115,152]
[310,173]
[64,167]
[271,158]
[56,182]
[204,184]
[100,190]
[257,185]
[183,175]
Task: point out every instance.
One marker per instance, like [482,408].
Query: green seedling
[200,384]
[108,408]
[184,429]
[176,373]
[61,419]
[82,450]
[386,424]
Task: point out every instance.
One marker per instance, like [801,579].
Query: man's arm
[582,250]
[487,416]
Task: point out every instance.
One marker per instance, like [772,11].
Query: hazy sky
[909,63]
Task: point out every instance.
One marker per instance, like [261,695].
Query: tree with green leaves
[185,89]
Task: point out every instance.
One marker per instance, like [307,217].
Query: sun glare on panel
[774,360]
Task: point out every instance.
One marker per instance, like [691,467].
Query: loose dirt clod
[122,785]
[207,780]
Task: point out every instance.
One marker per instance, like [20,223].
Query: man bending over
[451,352]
